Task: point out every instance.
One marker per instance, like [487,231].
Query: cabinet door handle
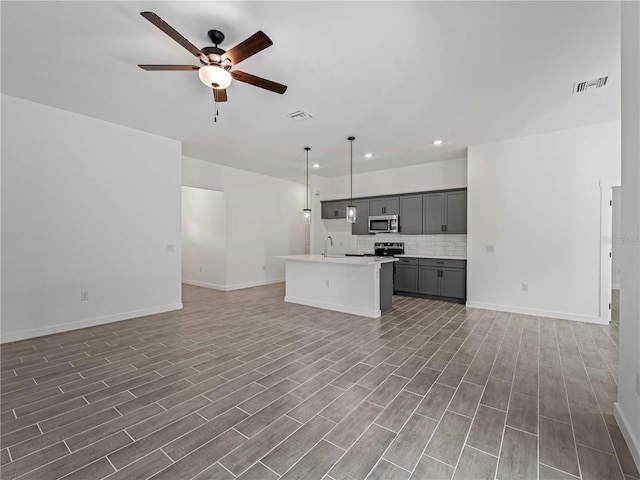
[442,228]
[384,209]
[440,263]
[445,228]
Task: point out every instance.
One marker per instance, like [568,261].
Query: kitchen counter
[351,260]
[441,257]
[356,285]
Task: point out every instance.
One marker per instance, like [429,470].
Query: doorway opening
[609,236]
[204,238]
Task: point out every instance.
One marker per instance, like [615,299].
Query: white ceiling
[396,75]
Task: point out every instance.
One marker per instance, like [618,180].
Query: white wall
[628,406]
[536,200]
[415,178]
[204,237]
[86,206]
[616,218]
[264,220]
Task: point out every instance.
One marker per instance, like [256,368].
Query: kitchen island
[357,285]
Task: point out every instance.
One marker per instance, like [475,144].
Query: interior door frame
[606,243]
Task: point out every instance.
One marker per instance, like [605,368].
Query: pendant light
[307,211]
[351,208]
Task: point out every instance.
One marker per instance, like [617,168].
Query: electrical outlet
[84,296]
[170,248]
[489,248]
[326,283]
[264,268]
[638,383]
[200,269]
[525,287]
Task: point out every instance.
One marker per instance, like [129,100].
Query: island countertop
[338,259]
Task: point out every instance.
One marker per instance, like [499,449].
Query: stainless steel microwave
[384,223]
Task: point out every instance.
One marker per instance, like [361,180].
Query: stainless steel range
[388,249]
[382,249]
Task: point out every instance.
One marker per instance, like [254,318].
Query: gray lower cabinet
[361,227]
[406,278]
[411,215]
[334,210]
[429,280]
[432,278]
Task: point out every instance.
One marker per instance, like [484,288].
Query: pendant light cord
[351,139]
[307,149]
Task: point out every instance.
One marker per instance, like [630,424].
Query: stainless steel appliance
[388,249]
[382,249]
[384,223]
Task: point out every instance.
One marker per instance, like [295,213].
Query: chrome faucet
[324,252]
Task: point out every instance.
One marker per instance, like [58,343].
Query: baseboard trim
[196,283]
[632,442]
[237,286]
[89,322]
[537,313]
[336,308]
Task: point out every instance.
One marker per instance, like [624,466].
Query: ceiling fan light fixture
[214,77]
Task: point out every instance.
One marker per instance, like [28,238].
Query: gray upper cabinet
[432,213]
[411,215]
[384,206]
[444,212]
[334,210]
[456,212]
[361,227]
[422,213]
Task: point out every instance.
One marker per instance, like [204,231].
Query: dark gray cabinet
[334,210]
[444,212]
[432,278]
[411,214]
[456,212]
[361,227]
[406,275]
[384,206]
[421,213]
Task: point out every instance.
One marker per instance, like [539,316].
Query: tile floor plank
[518,458]
[447,441]
[407,448]
[475,464]
[363,455]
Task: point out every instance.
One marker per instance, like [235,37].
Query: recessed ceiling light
[437,142]
[316,165]
[368,155]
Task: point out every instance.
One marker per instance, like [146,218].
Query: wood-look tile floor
[242,385]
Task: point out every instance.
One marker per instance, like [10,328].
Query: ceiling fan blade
[259,82]
[252,45]
[168,67]
[169,30]
[219,95]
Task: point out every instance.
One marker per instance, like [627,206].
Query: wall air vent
[299,115]
[583,86]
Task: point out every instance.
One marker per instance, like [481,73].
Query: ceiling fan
[216,70]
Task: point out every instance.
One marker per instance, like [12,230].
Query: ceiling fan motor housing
[211,55]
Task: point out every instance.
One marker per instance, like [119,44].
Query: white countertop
[440,257]
[341,259]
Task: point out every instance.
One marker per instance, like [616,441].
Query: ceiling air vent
[583,86]
[299,115]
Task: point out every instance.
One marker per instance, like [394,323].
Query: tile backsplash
[455,245]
